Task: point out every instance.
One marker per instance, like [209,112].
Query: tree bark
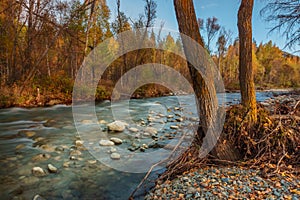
[207,103]
[247,88]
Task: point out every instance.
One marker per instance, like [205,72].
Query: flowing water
[37,137]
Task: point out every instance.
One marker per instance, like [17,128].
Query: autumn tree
[247,88]
[222,43]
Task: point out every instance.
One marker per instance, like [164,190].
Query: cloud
[210,5]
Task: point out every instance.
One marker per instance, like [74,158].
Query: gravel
[227,183]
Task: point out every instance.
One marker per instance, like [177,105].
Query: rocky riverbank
[235,182]
[227,183]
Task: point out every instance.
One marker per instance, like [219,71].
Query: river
[37,137]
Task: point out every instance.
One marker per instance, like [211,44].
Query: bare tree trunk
[245,59]
[207,102]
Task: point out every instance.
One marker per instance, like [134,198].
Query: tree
[285,15]
[211,28]
[222,44]
[248,98]
[206,98]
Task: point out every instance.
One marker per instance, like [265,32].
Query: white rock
[115,156]
[78,143]
[132,129]
[151,130]
[52,168]
[116,140]
[174,127]
[116,126]
[38,171]
[106,143]
[170,116]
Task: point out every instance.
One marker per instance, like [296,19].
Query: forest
[43,44]
[96,104]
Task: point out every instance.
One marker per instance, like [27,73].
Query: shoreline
[57,101]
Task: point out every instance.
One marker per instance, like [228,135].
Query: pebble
[78,143]
[174,127]
[38,171]
[151,130]
[52,168]
[106,143]
[116,140]
[115,156]
[132,129]
[225,183]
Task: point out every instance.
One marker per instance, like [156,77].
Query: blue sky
[224,10]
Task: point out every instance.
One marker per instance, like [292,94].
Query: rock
[170,116]
[132,129]
[116,140]
[116,126]
[112,150]
[146,134]
[102,122]
[52,168]
[78,143]
[38,171]
[174,127]
[41,157]
[28,134]
[106,143]
[115,156]
[179,119]
[38,197]
[75,153]
[151,130]
[48,148]
[20,146]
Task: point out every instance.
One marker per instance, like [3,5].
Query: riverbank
[213,182]
[242,181]
[32,99]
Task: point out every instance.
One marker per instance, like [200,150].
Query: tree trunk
[245,59]
[205,92]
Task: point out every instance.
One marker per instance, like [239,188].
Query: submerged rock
[52,168]
[115,156]
[116,126]
[132,129]
[106,143]
[38,171]
[151,130]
